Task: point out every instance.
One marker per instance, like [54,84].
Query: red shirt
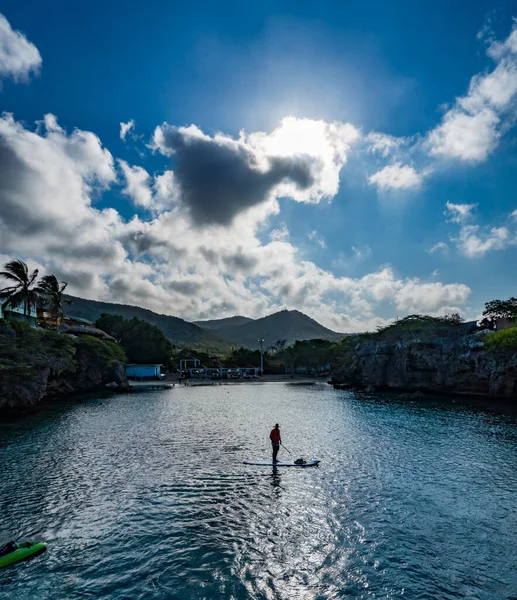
[274,436]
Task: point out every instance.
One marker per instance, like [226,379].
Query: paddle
[284,447]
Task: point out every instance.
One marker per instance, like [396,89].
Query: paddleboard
[281,463]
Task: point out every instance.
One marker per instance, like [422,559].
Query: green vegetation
[180,333]
[48,294]
[502,340]
[100,352]
[498,309]
[25,350]
[142,342]
[418,326]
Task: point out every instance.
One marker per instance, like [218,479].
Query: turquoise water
[144,496]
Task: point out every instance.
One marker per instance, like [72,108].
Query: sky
[356,161]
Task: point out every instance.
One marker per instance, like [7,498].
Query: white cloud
[475,242]
[440,246]
[397,177]
[471,129]
[459,213]
[383,143]
[125,128]
[281,234]
[415,296]
[137,184]
[221,176]
[164,262]
[18,57]
[314,236]
[498,50]
[513,215]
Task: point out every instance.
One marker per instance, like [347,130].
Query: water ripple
[145,496]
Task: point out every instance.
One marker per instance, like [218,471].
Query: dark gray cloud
[210,256]
[240,262]
[219,180]
[186,287]
[93,251]
[142,242]
[15,176]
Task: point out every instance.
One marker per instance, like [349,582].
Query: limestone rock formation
[445,365]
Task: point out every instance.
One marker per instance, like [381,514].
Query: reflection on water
[145,496]
[276,479]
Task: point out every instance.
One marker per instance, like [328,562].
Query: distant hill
[217,324]
[290,325]
[181,333]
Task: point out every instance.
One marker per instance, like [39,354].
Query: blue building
[134,371]
[16,313]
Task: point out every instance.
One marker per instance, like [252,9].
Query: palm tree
[51,292]
[20,292]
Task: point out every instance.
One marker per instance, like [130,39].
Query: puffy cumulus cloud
[459,213]
[155,194]
[474,241]
[137,184]
[165,261]
[471,129]
[48,177]
[125,128]
[397,177]
[220,177]
[18,57]
[416,297]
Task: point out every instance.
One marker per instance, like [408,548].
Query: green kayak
[23,551]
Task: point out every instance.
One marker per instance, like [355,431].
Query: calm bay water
[144,496]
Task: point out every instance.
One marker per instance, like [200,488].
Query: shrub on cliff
[25,350]
[100,352]
[35,363]
[420,326]
[502,340]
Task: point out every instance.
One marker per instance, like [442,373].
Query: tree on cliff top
[498,309]
[51,293]
[142,342]
[424,325]
[19,292]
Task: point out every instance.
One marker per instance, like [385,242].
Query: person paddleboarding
[276,440]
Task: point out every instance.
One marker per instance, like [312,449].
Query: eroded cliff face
[459,366]
[35,365]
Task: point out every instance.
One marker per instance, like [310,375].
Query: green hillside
[290,325]
[180,333]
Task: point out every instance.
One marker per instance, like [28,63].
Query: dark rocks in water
[443,365]
[418,395]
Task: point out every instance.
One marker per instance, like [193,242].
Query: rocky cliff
[457,366]
[36,365]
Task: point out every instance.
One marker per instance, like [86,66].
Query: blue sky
[356,161]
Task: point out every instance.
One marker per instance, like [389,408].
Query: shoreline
[170,382]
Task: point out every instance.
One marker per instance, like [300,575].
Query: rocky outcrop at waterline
[36,365]
[459,365]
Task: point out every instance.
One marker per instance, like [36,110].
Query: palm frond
[10,276]
[19,269]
